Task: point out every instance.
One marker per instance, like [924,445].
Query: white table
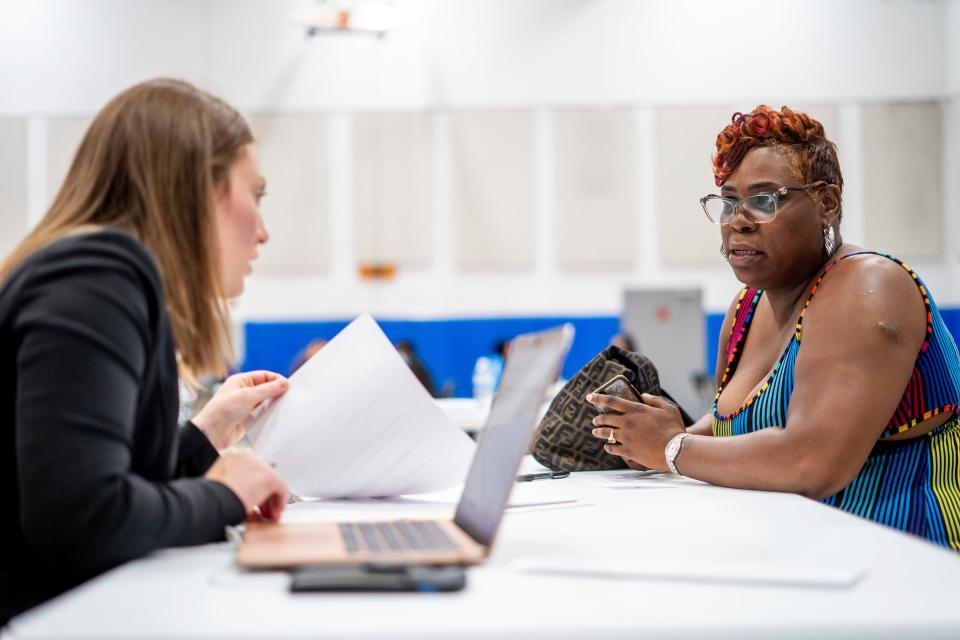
[714,539]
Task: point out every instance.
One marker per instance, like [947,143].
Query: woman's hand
[641,430]
[259,487]
[222,419]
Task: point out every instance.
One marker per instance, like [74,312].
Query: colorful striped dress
[912,485]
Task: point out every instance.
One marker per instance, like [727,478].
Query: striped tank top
[912,485]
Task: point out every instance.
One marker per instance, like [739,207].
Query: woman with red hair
[837,378]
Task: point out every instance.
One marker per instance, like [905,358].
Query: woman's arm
[195,453]
[860,341]
[222,421]
[84,333]
[703,426]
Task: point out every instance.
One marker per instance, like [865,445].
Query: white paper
[355,422]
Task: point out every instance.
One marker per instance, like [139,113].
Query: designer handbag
[564,439]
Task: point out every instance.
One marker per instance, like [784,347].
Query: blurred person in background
[487,371]
[409,354]
[624,340]
[306,353]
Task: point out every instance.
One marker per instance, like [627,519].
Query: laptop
[534,363]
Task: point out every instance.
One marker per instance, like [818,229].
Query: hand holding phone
[619,387]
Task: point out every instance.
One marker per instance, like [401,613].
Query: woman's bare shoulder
[870,274]
[870,293]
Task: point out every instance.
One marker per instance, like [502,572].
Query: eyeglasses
[759,208]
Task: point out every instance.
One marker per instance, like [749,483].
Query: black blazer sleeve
[86,338]
[195,454]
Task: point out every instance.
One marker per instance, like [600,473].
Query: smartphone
[620,387]
[378,578]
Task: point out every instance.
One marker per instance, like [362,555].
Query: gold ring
[610,438]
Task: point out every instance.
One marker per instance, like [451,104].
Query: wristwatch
[672,450]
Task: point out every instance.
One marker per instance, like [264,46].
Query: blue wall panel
[951,318]
[449,348]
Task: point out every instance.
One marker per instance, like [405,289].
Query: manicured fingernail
[589,397]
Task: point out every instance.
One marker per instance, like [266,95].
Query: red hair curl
[813,157]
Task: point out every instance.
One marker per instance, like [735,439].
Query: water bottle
[484,379]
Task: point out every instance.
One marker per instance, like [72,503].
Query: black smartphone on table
[373,577]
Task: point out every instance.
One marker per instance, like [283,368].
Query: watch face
[671,449]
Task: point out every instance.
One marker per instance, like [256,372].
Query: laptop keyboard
[397,535]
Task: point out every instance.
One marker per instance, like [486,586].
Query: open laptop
[534,362]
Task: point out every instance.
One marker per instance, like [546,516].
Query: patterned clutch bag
[564,440]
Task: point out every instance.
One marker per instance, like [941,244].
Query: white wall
[72,55]
[952,23]
[69,57]
[65,58]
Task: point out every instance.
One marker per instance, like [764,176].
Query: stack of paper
[356,422]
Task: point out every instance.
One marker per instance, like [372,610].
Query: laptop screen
[532,366]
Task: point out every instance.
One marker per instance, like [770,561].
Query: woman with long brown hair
[116,294]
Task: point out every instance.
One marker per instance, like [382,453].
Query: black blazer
[93,468]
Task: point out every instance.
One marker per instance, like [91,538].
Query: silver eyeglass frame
[737,203]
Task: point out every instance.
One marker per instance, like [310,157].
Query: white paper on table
[355,422]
